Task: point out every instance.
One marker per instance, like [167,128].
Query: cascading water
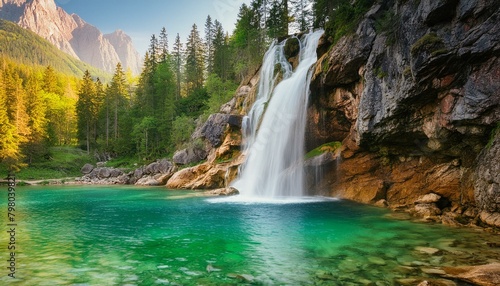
[275,126]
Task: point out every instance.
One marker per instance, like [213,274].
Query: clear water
[151,236]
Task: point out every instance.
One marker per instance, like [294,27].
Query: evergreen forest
[48,100]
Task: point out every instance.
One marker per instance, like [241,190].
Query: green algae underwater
[87,235]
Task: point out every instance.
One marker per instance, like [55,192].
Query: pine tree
[10,152]
[177,60]
[247,41]
[221,52]
[277,23]
[86,108]
[322,10]
[153,53]
[194,61]
[302,14]
[118,97]
[50,82]
[16,97]
[209,38]
[165,87]
[163,45]
[37,113]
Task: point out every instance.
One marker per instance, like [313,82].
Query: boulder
[214,128]
[484,275]
[189,155]
[491,219]
[147,181]
[87,169]
[426,211]
[428,199]
[104,172]
[165,166]
[229,191]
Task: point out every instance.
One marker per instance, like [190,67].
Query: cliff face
[71,34]
[414,96]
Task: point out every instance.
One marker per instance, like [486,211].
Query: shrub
[428,43]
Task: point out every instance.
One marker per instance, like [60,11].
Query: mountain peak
[71,34]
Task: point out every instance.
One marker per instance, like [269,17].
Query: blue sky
[140,19]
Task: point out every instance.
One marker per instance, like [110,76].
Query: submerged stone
[427,250]
[376,260]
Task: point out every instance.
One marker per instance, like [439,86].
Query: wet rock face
[487,177]
[414,103]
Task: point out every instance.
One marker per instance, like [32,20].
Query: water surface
[148,236]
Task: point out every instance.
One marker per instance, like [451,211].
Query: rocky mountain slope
[72,35]
[413,96]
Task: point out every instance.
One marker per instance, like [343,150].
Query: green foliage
[379,71]
[126,163]
[407,72]
[183,127]
[247,42]
[340,17]
[327,147]
[428,43]
[388,24]
[493,134]
[27,47]
[62,162]
[195,61]
[219,92]
[277,22]
[194,104]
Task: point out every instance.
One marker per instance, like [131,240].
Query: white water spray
[275,145]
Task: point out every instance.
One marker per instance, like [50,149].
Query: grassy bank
[62,162]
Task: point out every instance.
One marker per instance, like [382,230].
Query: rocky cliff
[72,35]
[414,97]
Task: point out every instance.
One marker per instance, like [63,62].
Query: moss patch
[430,43]
[328,147]
[493,134]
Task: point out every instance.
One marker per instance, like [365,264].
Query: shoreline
[447,217]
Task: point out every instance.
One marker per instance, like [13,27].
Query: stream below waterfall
[86,235]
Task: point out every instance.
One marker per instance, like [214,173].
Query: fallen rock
[382,203]
[484,275]
[229,191]
[428,199]
[87,169]
[491,219]
[147,181]
[426,211]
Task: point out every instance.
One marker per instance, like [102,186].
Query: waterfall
[275,126]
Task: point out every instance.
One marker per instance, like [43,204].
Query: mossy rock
[292,47]
[330,147]
[429,43]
